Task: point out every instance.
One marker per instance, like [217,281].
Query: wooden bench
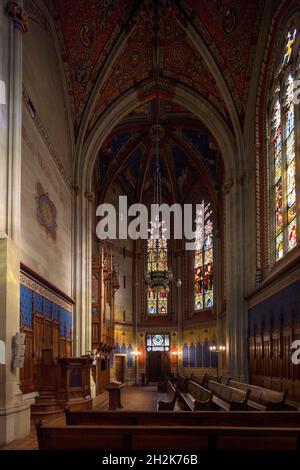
[175,418]
[180,383]
[196,397]
[166,437]
[228,398]
[261,398]
[202,379]
[168,404]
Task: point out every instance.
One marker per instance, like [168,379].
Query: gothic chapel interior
[176,103]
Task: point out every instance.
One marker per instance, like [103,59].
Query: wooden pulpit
[73,384]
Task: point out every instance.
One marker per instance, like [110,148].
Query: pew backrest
[174,418]
[166,437]
[228,393]
[260,394]
[198,392]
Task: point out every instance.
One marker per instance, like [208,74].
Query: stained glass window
[203,262]
[283,144]
[157,302]
[158,342]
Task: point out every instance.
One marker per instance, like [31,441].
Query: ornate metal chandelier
[157,276]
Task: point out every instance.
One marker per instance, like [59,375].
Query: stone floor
[133,399]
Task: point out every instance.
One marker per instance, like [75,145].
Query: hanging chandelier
[157,276]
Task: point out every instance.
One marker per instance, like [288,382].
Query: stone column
[83,271]
[14,409]
[236,308]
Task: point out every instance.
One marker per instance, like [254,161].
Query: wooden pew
[196,397]
[261,398]
[180,382]
[172,395]
[173,418]
[165,437]
[202,379]
[228,398]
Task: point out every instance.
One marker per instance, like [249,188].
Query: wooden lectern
[114,392]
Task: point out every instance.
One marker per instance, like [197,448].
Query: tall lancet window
[157,260]
[204,260]
[158,275]
[284,154]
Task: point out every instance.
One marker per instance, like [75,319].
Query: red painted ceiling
[85,28]
[88,29]
[230,28]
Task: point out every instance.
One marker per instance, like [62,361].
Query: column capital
[227,186]
[91,196]
[18,15]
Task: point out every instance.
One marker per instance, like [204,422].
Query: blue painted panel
[37,303]
[26,306]
[111,359]
[199,355]
[282,309]
[206,355]
[55,311]
[65,323]
[47,308]
[185,355]
[117,348]
[129,356]
[123,349]
[192,355]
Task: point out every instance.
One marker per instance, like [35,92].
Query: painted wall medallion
[87,36]
[46,212]
[230,20]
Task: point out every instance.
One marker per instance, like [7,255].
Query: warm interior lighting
[176,353]
[217,349]
[136,353]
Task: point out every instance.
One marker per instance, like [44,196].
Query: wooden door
[119,368]
[154,366]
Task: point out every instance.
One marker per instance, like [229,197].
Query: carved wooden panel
[55,340]
[26,373]
[38,335]
[270,363]
[48,326]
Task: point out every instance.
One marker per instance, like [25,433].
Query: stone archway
[236,307]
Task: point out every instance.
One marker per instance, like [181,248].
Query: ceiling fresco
[87,32]
[186,153]
[230,29]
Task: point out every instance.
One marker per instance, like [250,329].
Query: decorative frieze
[44,292]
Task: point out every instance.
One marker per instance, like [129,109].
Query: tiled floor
[133,399]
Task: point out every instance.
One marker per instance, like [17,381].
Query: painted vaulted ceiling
[88,31]
[187,154]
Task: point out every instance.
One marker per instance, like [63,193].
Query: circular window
[157,340]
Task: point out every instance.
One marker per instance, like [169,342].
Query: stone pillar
[14,409]
[236,308]
[83,271]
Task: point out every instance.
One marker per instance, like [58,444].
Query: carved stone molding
[46,139]
[240,179]
[227,186]
[18,16]
[76,189]
[90,195]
